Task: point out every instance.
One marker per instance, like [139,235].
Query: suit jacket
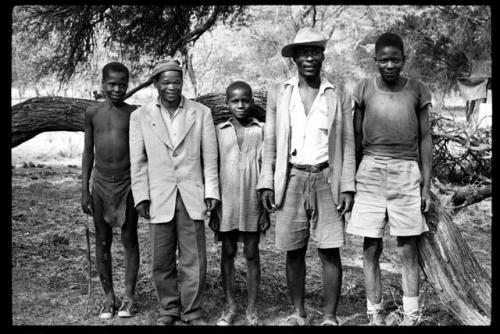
[275,162]
[158,168]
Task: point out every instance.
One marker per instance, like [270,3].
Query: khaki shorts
[308,210]
[387,190]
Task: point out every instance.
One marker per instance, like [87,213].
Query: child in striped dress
[241,215]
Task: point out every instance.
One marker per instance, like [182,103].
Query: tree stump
[462,285]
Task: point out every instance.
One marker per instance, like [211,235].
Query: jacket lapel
[189,120]
[158,125]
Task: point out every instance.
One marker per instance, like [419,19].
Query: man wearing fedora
[307,174]
[173,156]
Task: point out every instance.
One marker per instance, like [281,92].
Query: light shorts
[308,210]
[387,189]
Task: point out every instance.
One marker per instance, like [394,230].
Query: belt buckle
[314,169]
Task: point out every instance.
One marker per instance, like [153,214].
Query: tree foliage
[139,32]
[442,42]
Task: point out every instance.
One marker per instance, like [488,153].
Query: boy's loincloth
[113,192]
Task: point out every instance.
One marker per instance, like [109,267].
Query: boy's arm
[425,149]
[87,160]
[359,115]
[138,161]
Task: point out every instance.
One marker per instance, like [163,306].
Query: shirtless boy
[110,200]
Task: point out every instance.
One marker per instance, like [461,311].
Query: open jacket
[275,170]
[159,169]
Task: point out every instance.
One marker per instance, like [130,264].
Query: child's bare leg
[408,252]
[131,246]
[251,250]
[332,279]
[229,249]
[104,238]
[372,248]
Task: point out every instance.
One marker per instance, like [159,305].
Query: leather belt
[311,168]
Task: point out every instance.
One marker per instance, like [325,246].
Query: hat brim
[287,50]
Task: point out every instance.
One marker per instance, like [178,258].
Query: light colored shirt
[309,133]
[175,123]
[239,172]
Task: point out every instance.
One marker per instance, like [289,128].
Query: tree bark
[462,285]
[37,115]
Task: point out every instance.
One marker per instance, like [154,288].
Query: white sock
[410,304]
[372,308]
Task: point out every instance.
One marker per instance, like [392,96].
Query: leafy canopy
[138,32]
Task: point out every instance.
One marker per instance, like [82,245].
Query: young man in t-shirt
[392,138]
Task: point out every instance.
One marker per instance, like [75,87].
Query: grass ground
[49,266]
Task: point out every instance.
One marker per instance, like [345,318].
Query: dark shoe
[166,320]
[128,309]
[196,322]
[376,318]
[107,310]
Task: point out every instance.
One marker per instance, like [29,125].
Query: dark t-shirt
[390,124]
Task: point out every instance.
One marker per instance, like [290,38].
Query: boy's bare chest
[111,122]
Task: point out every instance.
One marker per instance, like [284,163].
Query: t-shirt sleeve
[359,92]
[424,96]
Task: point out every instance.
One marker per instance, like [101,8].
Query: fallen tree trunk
[461,283]
[42,114]
[462,196]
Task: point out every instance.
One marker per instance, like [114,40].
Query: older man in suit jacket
[307,173]
[173,153]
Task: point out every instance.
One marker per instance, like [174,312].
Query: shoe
[296,320]
[127,309]
[196,322]
[376,318]
[410,319]
[166,320]
[107,310]
[330,322]
[252,319]
[226,318]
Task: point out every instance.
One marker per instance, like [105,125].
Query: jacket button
[174,154]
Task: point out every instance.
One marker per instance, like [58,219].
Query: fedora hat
[305,37]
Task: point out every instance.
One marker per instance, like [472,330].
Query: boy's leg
[407,247]
[332,279]
[251,250]
[295,277]
[229,249]
[372,249]
[104,238]
[131,249]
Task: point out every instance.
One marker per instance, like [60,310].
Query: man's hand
[264,221]
[214,222]
[426,199]
[143,209]
[211,204]
[267,198]
[346,200]
[87,205]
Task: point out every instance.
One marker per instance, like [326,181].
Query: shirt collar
[322,86]
[227,123]
[181,103]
